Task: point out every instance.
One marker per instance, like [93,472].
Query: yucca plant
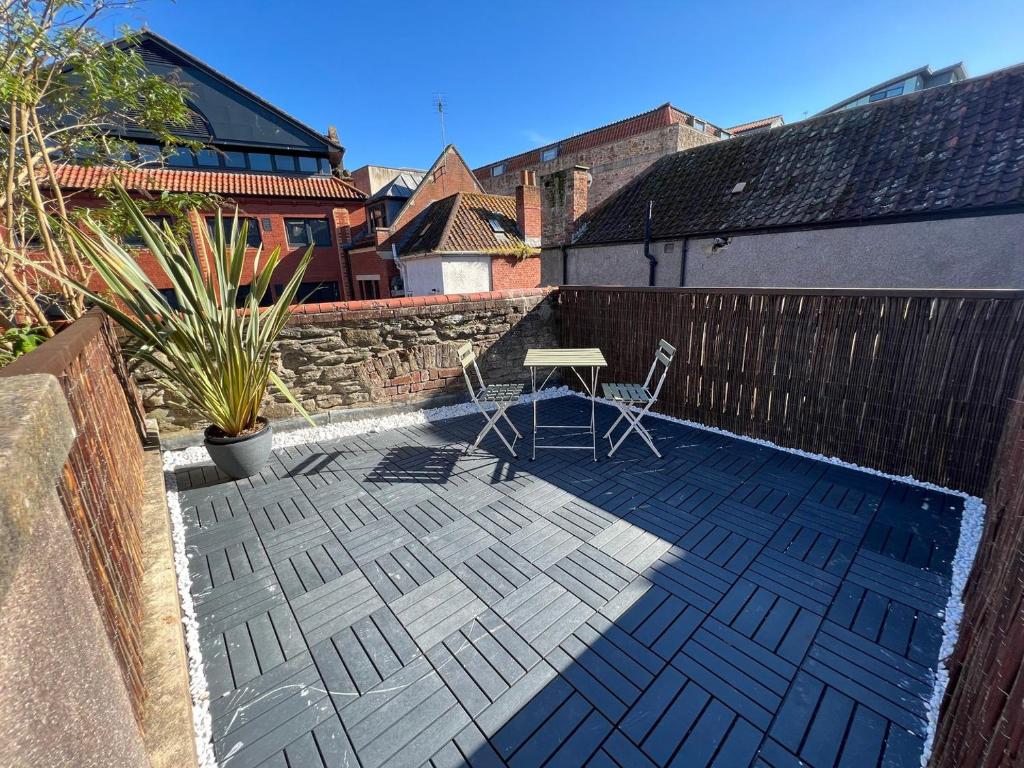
[214,352]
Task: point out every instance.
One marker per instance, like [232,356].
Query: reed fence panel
[913,383]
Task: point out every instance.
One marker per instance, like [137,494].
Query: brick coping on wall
[386,306]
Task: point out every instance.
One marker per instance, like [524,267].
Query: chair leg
[492,423]
[635,425]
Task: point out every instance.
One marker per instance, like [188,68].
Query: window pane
[296,231]
[180,157]
[317,293]
[234,159]
[208,158]
[497,170]
[171,296]
[325,166]
[549,154]
[149,153]
[284,162]
[320,231]
[259,161]
[308,164]
[253,238]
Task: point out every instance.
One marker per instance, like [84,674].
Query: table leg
[533,380]
[593,403]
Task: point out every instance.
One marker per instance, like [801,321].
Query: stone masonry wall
[366,353]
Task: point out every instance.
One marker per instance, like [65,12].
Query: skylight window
[495,225]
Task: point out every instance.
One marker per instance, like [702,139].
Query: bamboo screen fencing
[914,383]
[102,484]
[982,720]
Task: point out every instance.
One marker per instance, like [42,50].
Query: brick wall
[364,353]
[513,272]
[614,164]
[328,263]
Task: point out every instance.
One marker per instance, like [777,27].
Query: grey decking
[385,600]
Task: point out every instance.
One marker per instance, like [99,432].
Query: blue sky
[518,75]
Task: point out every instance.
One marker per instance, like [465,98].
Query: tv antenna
[440,104]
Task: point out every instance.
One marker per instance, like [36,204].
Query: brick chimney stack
[563,202]
[528,208]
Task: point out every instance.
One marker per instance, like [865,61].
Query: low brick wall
[364,353]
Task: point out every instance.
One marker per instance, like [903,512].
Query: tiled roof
[216,182]
[659,117]
[755,124]
[954,148]
[461,223]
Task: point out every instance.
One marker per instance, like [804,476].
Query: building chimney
[528,208]
[563,202]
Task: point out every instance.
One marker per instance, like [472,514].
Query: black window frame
[279,163]
[318,292]
[270,161]
[289,221]
[253,234]
[365,295]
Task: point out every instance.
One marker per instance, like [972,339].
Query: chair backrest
[663,357]
[467,357]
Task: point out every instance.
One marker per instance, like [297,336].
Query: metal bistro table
[573,359]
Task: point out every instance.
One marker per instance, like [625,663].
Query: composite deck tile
[389,599]
[631,543]
[458,541]
[360,656]
[481,661]
[543,543]
[591,575]
[370,541]
[409,717]
[543,612]
[403,569]
[435,610]
[337,604]
[720,546]
[495,572]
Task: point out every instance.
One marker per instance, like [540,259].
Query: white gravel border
[971,524]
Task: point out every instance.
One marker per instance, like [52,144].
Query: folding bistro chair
[626,396]
[504,396]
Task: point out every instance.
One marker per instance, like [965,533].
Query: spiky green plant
[214,352]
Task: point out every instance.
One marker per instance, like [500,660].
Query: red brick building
[287,179]
[470,242]
[371,255]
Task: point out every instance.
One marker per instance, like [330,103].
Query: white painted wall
[978,252]
[423,276]
[447,274]
[466,274]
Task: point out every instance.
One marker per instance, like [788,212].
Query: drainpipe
[647,244]
[565,265]
[682,262]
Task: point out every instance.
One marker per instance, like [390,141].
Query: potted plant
[213,341]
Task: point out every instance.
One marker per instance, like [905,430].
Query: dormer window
[497,170]
[549,154]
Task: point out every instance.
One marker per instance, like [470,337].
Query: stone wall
[368,353]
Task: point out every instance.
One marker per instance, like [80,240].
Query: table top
[557,358]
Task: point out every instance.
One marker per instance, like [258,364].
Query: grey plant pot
[240,457]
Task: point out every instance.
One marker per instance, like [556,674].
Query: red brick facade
[512,272]
[328,265]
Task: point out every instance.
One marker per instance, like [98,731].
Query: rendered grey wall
[982,252]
